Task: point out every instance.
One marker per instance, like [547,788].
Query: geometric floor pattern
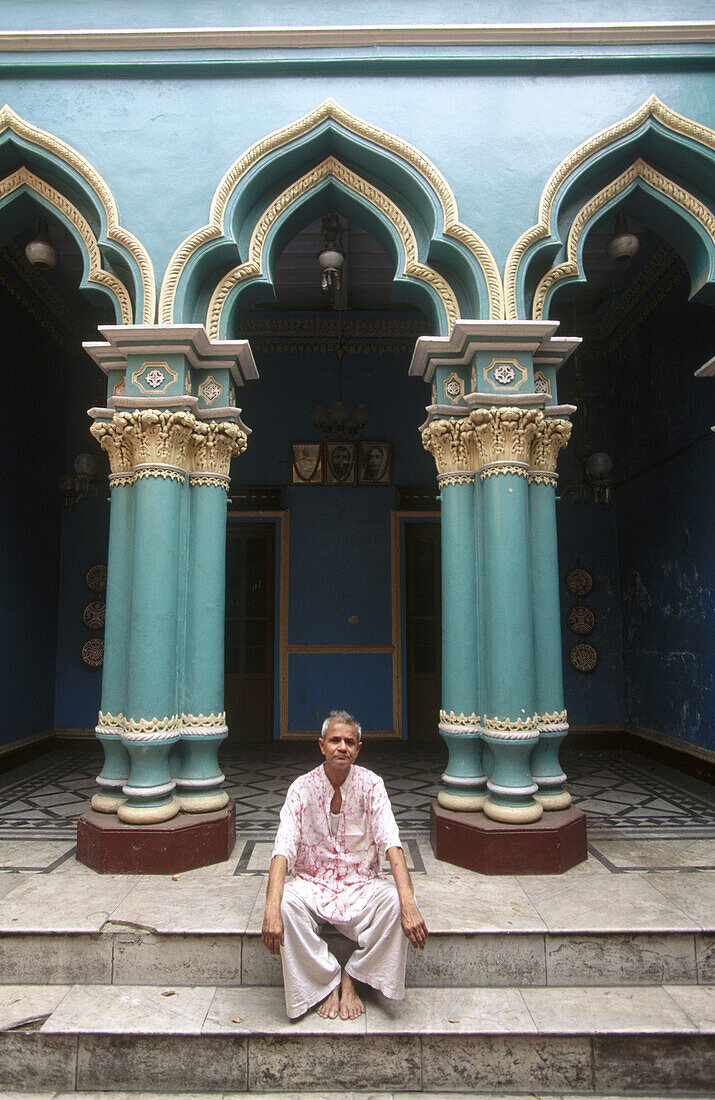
[623,794]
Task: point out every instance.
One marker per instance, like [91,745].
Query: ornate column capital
[452,445]
[504,437]
[553,433]
[213,445]
[112,439]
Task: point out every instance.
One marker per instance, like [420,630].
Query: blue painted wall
[666,519]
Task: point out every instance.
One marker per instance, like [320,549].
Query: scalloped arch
[578,170]
[287,145]
[23,179]
[640,173]
[72,166]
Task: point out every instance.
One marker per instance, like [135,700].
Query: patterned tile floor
[625,796]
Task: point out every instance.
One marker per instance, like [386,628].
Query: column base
[110,846]
[513,815]
[105,803]
[477,843]
[466,803]
[149,815]
[560,800]
[203,803]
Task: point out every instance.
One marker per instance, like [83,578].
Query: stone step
[579,1040]
[130,955]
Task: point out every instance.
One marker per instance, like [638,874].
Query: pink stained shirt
[335,873]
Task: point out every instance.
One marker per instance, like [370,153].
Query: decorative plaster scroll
[451,444]
[571,268]
[448,727]
[154,729]
[253,266]
[555,717]
[120,479]
[201,725]
[109,725]
[115,232]
[553,434]
[213,445]
[449,718]
[503,468]
[111,437]
[455,479]
[652,107]
[505,434]
[329,109]
[97,274]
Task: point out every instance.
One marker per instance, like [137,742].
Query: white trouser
[311,972]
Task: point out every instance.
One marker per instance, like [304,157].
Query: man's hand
[413,925]
[272,933]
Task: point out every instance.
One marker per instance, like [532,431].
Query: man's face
[341,462]
[340,746]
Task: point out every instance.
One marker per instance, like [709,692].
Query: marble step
[125,954]
[576,1040]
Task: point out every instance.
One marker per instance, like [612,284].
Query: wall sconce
[622,244]
[331,258]
[86,481]
[597,481]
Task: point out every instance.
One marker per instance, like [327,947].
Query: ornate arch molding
[685,152]
[94,274]
[65,180]
[397,173]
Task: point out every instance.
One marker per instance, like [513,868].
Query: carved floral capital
[214,444]
[153,436]
[112,439]
[505,435]
[451,444]
[552,435]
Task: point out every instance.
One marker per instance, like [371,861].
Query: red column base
[110,846]
[472,840]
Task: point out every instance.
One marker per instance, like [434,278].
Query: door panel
[250,658]
[423,630]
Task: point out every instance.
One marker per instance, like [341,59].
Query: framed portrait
[340,463]
[375,464]
[306,463]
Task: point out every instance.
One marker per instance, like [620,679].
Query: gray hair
[341,716]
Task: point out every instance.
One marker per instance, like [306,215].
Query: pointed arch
[69,183]
[663,151]
[397,173]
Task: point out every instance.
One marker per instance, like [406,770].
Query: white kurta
[337,877]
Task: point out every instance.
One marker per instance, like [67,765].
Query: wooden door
[423,629]
[250,658]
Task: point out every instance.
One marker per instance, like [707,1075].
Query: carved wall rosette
[505,435]
[452,445]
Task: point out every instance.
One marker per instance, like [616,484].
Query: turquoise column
[451,442]
[203,721]
[510,728]
[546,769]
[109,727]
[151,725]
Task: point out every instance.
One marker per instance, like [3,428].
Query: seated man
[335,825]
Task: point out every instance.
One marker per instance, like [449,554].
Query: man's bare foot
[350,1004]
[330,1007]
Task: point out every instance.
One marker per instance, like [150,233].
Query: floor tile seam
[700,928]
[684,1010]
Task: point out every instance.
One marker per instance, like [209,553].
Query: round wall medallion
[579,581]
[93,652]
[583,657]
[93,615]
[581,619]
[96,578]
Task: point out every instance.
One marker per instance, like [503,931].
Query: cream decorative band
[496,788]
[203,731]
[109,782]
[522,729]
[109,731]
[218,481]
[521,470]
[462,781]
[123,477]
[159,471]
[502,463]
[538,477]
[155,735]
[550,780]
[450,718]
[149,792]
[201,782]
[448,727]
[556,727]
